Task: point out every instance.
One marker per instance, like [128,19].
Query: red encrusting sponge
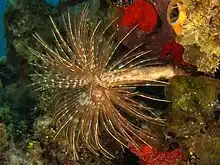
[151,156]
[141,13]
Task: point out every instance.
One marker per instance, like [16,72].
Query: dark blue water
[3,4]
[52,2]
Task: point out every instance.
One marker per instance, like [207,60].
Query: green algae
[193,94]
[192,117]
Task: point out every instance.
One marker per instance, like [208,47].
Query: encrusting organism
[92,90]
[172,52]
[141,13]
[197,25]
[150,156]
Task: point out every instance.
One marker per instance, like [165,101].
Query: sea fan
[93,93]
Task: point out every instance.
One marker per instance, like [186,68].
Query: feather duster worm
[92,92]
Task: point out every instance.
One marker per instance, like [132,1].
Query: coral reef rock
[199,31]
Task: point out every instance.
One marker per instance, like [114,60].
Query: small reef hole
[174,13]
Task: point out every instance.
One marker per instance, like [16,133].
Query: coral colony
[121,82]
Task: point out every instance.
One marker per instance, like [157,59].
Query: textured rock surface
[201,34]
